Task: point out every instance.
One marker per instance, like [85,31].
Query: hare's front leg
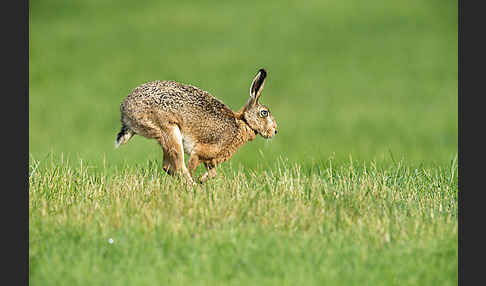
[211,173]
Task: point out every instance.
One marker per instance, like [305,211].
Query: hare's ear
[257,86]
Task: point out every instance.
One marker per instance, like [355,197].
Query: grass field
[358,187]
[346,225]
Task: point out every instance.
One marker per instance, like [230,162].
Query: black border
[14,21]
[471,78]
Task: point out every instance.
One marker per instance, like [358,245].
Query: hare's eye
[263,113]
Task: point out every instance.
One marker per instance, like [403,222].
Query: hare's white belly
[187,143]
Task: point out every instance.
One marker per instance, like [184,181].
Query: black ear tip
[263,72]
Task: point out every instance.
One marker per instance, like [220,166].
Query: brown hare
[184,118]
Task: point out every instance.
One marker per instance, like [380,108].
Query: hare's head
[257,115]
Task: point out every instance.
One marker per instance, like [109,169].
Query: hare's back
[193,107]
[175,95]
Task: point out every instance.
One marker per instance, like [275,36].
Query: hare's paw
[210,174]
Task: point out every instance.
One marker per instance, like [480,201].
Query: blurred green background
[371,80]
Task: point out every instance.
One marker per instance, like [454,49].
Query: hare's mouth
[268,135]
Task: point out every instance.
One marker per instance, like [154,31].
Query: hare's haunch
[186,119]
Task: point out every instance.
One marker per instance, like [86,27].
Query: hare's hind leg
[170,139]
[171,143]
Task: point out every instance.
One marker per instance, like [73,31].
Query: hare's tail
[123,136]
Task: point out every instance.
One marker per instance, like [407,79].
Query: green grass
[340,225]
[358,187]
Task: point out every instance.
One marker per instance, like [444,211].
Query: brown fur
[184,118]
